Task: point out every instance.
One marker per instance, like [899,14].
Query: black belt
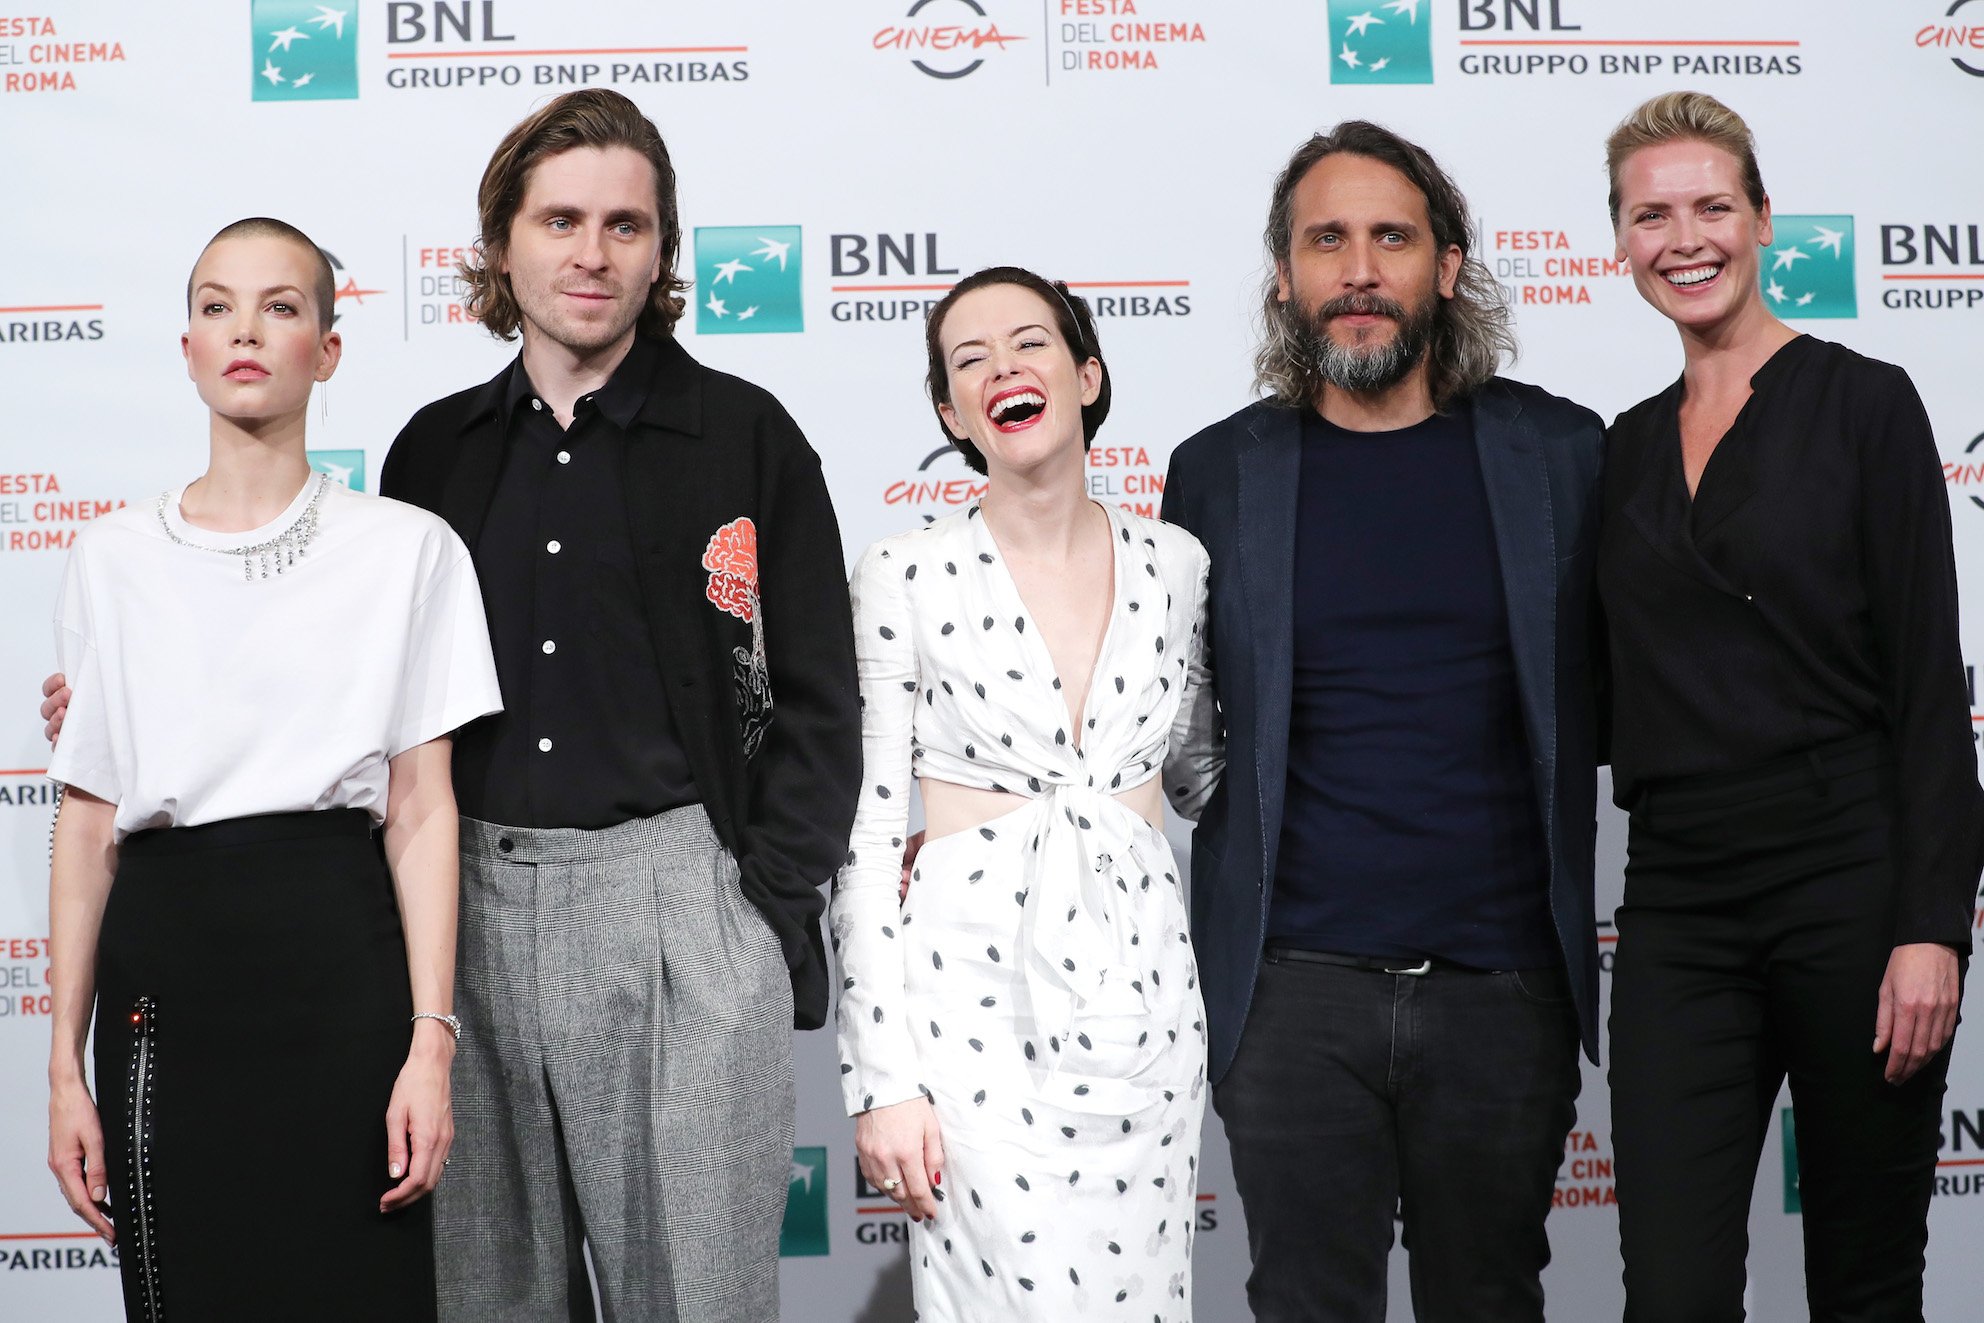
[1371,964]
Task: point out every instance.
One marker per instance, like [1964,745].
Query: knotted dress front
[1038,983]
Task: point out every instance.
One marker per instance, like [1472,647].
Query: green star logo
[747,279]
[1381,41]
[804,1232]
[346,467]
[1808,271]
[304,51]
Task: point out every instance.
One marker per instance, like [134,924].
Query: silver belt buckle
[1419,970]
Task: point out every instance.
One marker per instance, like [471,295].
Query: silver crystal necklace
[278,552]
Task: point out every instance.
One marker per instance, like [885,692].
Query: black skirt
[251,1019]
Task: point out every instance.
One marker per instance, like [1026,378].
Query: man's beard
[1361,368]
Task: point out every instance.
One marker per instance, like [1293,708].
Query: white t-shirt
[201,694]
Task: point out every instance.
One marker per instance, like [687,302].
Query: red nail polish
[936,1178]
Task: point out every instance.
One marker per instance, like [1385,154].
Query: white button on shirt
[544,746]
[550,646]
[564,457]
[552,546]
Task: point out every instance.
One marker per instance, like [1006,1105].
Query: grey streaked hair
[1472,337]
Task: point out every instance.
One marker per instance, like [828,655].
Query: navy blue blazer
[1234,486]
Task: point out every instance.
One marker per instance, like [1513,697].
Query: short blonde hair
[1684,117]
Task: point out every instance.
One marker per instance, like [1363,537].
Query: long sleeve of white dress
[1038,986]
[1197,757]
[877,1052]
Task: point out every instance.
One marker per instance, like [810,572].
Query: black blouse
[1807,594]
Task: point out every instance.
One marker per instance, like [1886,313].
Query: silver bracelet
[453,1023]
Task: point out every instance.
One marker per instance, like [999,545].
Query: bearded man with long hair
[1392,885]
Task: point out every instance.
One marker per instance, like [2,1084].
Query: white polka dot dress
[1038,984]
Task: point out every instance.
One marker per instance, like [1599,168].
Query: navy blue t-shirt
[1410,827]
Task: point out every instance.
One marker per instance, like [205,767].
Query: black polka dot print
[1063,1053]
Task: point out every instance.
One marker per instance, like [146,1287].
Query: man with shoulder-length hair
[1392,885]
[673,776]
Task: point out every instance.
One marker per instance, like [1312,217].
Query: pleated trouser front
[624,1083]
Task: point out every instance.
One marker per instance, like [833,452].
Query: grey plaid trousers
[624,1081]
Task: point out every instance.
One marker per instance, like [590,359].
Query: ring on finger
[891,1185]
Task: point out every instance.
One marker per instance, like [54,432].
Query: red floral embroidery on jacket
[732,560]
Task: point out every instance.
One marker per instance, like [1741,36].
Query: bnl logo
[1808,269]
[804,1232]
[346,467]
[1381,41]
[747,279]
[303,51]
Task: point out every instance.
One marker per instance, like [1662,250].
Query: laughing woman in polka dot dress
[1022,1039]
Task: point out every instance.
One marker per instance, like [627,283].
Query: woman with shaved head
[267,668]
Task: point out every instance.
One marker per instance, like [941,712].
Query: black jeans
[1756,931]
[1444,1098]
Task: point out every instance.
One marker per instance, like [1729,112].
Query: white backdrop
[1125,145]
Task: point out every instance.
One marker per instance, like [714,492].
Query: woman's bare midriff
[949,808]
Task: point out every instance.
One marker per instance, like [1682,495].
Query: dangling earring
[324,402]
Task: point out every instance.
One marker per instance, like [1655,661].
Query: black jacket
[756,647]
[1235,486]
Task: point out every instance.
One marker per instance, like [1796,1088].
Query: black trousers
[251,1020]
[1755,933]
[1358,1096]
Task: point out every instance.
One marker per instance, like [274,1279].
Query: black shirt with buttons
[585,738]
[1806,594]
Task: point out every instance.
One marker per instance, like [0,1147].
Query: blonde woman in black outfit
[1791,737]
